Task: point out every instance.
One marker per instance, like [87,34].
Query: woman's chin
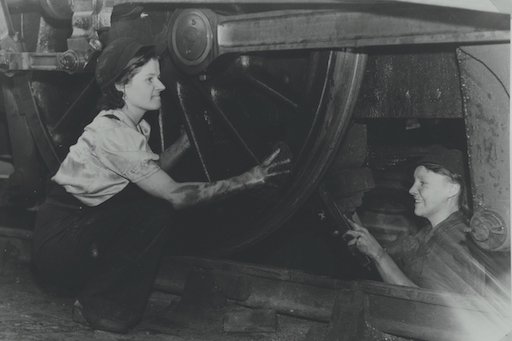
[417,211]
[154,106]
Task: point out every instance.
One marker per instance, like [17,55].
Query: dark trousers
[112,253]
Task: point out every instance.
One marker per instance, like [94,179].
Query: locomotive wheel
[235,112]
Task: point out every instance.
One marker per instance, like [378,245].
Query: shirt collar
[125,118]
[454,217]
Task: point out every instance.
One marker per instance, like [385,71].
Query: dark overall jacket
[440,258]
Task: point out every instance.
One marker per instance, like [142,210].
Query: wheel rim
[311,119]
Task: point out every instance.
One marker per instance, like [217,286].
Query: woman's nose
[412,190]
[159,85]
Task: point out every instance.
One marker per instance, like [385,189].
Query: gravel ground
[29,313]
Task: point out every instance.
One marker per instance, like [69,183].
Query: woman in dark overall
[439,255]
[109,207]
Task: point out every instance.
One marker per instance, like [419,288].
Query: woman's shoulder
[106,118]
[109,124]
[455,224]
[452,231]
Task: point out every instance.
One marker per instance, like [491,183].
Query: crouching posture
[109,207]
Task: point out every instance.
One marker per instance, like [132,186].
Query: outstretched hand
[276,167]
[364,241]
[272,166]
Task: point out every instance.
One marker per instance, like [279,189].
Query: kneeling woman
[439,255]
[109,207]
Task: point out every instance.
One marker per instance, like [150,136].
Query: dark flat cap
[450,159]
[115,58]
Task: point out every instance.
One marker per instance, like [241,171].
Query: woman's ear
[119,87]
[453,189]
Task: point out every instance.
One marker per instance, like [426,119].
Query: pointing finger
[352,242]
[279,163]
[271,158]
[355,225]
[351,233]
[287,171]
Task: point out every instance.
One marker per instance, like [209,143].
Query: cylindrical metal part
[16,6]
[58,9]
[489,230]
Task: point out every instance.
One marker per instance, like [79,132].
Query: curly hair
[113,98]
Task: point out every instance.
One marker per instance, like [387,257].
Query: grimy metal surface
[391,88]
[361,26]
[478,5]
[205,35]
[24,119]
[485,76]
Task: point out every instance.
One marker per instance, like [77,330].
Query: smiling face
[435,196]
[142,92]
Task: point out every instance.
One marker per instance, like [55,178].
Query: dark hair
[456,179]
[113,98]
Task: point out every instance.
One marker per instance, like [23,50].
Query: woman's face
[142,92]
[431,192]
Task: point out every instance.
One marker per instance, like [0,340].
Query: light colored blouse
[111,152]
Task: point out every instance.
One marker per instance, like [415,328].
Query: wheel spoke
[211,97]
[249,68]
[190,121]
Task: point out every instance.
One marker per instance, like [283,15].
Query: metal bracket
[70,61]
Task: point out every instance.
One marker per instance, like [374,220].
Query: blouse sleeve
[126,152]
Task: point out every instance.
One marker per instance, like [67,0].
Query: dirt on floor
[29,313]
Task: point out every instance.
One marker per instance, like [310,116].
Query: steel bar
[477,5]
[44,61]
[337,29]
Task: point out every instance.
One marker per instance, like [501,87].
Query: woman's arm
[171,156]
[186,194]
[367,244]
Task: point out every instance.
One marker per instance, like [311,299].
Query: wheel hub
[191,38]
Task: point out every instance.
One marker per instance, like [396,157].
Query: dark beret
[450,159]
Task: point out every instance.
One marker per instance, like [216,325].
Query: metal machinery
[356,90]
[245,75]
